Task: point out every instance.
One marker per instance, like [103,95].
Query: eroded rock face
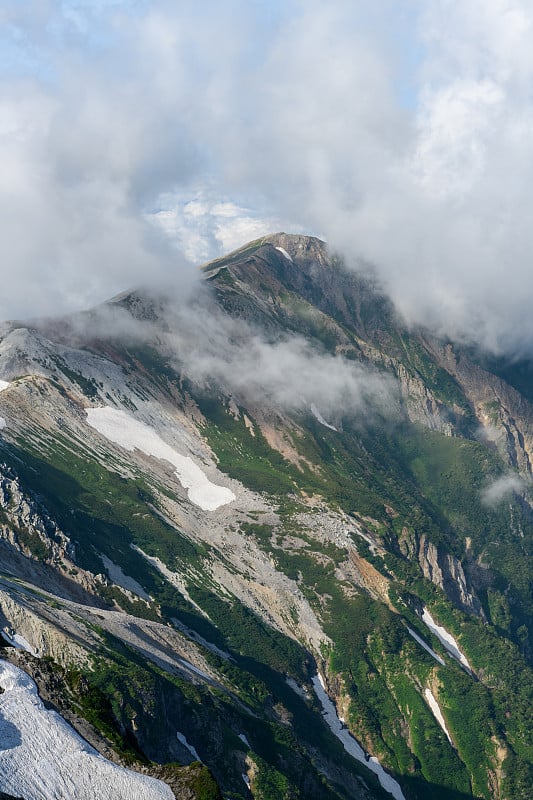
[43,631]
[421,405]
[505,416]
[442,569]
[26,525]
[35,548]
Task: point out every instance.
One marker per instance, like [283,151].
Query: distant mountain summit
[267,541]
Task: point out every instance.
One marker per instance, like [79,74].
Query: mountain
[267,527]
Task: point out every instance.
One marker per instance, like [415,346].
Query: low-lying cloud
[502,489]
[216,351]
[222,353]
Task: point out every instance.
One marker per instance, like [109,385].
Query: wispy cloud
[216,351]
[502,489]
[236,357]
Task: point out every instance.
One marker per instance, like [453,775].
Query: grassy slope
[104,513]
[433,483]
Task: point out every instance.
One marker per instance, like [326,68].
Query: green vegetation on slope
[453,474]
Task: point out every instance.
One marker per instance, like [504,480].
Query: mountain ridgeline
[269,542]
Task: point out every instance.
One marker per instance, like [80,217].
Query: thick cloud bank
[132,134]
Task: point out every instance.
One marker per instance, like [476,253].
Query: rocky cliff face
[503,413]
[35,548]
[441,568]
[27,527]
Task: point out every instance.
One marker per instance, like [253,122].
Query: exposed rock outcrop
[441,568]
[35,548]
[506,417]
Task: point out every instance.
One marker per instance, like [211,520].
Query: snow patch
[426,647]
[200,640]
[192,668]
[131,434]
[18,641]
[318,416]
[172,577]
[121,579]
[194,753]
[446,639]
[43,758]
[3,385]
[437,713]
[297,688]
[350,744]
[284,253]
[246,779]
[2,423]
[245,741]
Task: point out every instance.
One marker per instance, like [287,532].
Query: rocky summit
[262,539]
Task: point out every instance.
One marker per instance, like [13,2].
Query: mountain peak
[296,247]
[297,244]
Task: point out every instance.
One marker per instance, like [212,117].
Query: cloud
[501,489]
[219,352]
[436,193]
[78,156]
[204,225]
[400,131]
[436,196]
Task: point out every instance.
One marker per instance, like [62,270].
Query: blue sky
[137,139]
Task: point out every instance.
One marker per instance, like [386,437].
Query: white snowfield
[284,253]
[426,647]
[43,758]
[244,740]
[350,744]
[437,713]
[121,579]
[318,416]
[192,750]
[2,423]
[3,385]
[131,434]
[18,641]
[446,639]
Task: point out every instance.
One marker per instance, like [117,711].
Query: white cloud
[501,489]
[451,155]
[437,196]
[206,226]
[222,121]
[217,351]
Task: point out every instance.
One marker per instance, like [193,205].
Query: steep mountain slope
[211,510]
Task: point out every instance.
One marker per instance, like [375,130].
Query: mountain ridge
[361,456]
